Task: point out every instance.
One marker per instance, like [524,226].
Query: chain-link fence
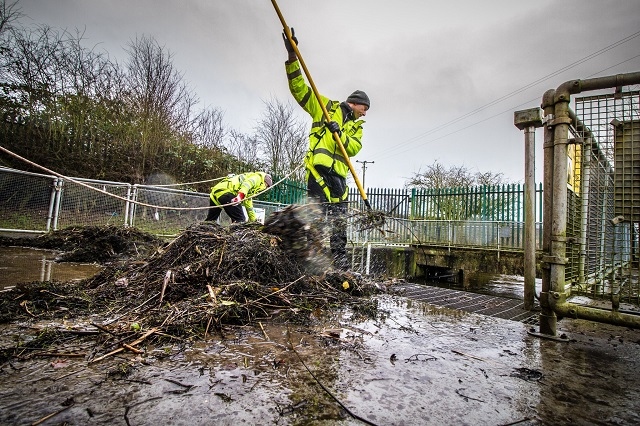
[31,202]
[26,200]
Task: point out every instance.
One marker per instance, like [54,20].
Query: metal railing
[37,203]
[31,202]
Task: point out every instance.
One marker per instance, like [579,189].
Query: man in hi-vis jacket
[236,191]
[326,167]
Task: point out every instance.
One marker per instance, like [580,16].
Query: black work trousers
[336,214]
[236,213]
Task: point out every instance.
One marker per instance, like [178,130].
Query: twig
[101,328]
[63,354]
[283,288]
[167,277]
[221,255]
[78,332]
[137,307]
[263,332]
[45,418]
[206,330]
[255,384]
[140,340]
[159,333]
[468,355]
[67,375]
[467,397]
[50,292]
[129,407]
[212,294]
[175,382]
[516,422]
[24,305]
[132,349]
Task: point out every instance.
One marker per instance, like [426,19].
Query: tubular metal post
[529,218]
[584,207]
[127,206]
[548,319]
[52,202]
[528,120]
[558,241]
[56,208]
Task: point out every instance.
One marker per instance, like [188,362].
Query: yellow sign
[574,167]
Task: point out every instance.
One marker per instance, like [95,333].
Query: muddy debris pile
[208,277]
[100,244]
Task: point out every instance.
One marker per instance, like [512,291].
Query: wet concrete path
[485,304]
[418,364]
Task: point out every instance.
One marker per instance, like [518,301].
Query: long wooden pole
[336,137]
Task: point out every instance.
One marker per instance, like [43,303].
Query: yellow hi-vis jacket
[323,149]
[247,183]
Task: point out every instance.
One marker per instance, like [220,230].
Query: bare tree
[158,97]
[245,148]
[446,192]
[282,138]
[49,77]
[489,178]
[70,108]
[209,131]
[30,67]
[9,13]
[437,176]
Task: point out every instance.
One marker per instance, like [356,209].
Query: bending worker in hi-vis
[236,191]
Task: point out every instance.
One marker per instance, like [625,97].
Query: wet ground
[416,364]
[511,286]
[19,264]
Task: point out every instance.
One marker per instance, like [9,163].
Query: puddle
[19,264]
[416,364]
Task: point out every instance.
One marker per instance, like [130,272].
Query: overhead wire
[509,110]
[532,84]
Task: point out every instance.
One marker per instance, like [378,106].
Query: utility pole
[364,169]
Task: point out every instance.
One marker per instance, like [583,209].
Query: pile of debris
[89,244]
[208,277]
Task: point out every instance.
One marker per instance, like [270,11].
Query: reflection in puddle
[20,264]
[389,370]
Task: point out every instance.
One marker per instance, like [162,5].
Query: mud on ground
[211,282]
[208,277]
[89,244]
[236,325]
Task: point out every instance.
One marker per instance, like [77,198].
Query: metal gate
[591,201]
[603,213]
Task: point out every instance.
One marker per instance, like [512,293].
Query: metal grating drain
[493,306]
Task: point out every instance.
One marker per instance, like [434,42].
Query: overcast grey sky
[444,78]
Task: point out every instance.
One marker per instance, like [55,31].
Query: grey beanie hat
[359,97]
[267,180]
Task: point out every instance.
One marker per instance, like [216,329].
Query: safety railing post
[528,121]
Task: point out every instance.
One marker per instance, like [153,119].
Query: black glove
[287,44]
[334,127]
